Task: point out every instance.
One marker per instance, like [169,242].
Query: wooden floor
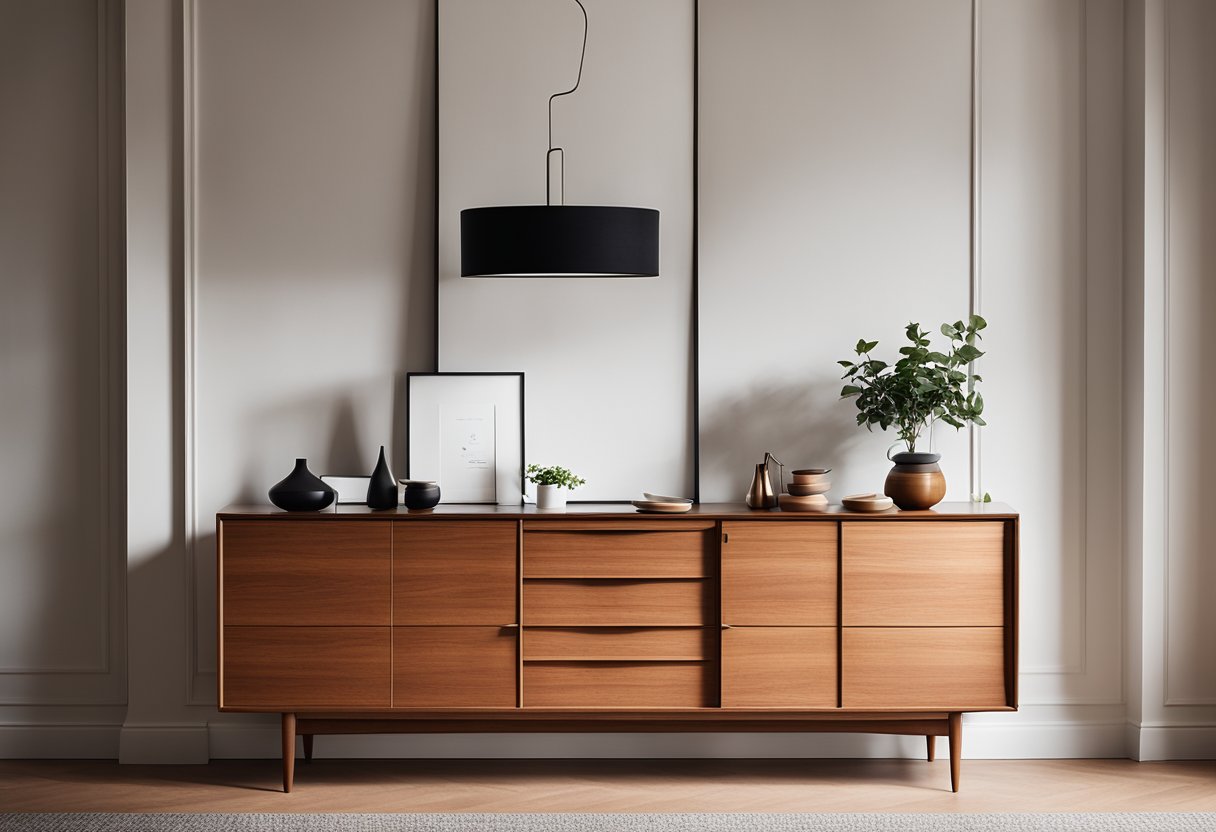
[612,786]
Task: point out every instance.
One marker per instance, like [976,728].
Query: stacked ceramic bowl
[807,491]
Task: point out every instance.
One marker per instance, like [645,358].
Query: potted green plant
[549,484]
[923,386]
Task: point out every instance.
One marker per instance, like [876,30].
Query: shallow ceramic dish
[659,498]
[867,502]
[812,502]
[806,489]
[661,507]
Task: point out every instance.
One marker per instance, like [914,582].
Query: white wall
[61,573]
[257,210]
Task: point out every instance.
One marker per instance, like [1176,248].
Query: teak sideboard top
[599,618]
[622,511]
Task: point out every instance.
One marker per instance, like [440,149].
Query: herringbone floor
[612,786]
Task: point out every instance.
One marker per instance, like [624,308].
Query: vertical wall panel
[1190,556]
[834,206]
[607,361]
[60,586]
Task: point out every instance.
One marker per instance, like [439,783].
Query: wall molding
[163,744]
[60,741]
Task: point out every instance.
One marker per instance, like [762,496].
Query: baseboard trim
[1024,741]
[1171,742]
[164,743]
[68,741]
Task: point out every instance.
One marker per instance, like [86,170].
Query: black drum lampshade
[559,241]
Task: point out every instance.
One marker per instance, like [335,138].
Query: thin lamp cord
[582,56]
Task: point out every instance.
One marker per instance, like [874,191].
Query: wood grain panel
[455,573]
[600,554]
[617,644]
[779,573]
[617,685]
[923,574]
[621,603]
[454,667]
[779,667]
[952,668]
[287,668]
[285,573]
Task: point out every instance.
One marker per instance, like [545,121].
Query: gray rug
[1080,822]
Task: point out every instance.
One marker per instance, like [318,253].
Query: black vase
[301,490]
[382,490]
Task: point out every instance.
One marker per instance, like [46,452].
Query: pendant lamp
[559,240]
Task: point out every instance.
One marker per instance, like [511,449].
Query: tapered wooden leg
[956,748]
[289,751]
[308,748]
[931,741]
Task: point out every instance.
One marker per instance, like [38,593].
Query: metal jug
[761,494]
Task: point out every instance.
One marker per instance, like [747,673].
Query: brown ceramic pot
[916,482]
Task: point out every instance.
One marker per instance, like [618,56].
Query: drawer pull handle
[727,627]
[509,627]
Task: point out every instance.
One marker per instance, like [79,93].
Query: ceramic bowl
[806,489]
[809,476]
[792,502]
[420,495]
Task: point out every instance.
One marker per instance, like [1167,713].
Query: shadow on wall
[802,424]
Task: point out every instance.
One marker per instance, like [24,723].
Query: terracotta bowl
[806,489]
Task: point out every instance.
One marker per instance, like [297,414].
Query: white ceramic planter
[550,497]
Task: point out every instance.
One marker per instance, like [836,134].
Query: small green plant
[922,386]
[554,475]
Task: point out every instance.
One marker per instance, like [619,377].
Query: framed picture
[466,432]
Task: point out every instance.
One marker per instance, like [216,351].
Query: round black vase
[382,490]
[301,490]
[420,495]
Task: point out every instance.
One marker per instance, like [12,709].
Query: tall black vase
[301,490]
[382,490]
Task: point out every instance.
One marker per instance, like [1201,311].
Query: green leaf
[978,323]
[870,345]
[845,364]
[861,346]
[977,420]
[987,497]
[949,331]
[969,353]
[849,390]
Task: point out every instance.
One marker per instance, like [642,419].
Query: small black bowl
[420,494]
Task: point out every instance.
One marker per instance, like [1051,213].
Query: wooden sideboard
[477,619]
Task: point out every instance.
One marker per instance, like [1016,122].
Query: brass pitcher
[761,494]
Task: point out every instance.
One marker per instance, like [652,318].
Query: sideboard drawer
[951,668]
[685,552]
[285,668]
[455,667]
[923,574]
[617,685]
[606,603]
[617,643]
[305,573]
[455,573]
[779,573]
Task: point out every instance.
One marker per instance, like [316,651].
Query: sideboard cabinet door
[305,572]
[779,611]
[455,633]
[455,573]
